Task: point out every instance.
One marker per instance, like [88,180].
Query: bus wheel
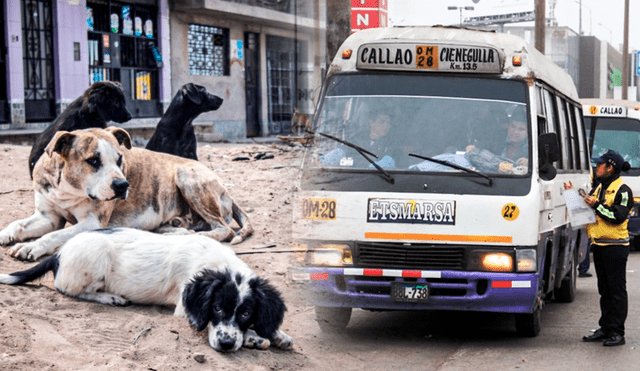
[567,290]
[529,324]
[332,319]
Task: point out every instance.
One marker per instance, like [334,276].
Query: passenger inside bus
[514,156]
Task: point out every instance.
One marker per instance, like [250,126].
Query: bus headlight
[486,261]
[526,260]
[331,255]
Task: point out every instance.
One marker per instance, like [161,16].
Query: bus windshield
[619,134]
[476,123]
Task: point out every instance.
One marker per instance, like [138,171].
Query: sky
[601,18]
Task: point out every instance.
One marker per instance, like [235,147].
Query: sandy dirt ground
[41,329]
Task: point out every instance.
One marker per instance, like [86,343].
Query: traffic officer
[612,201]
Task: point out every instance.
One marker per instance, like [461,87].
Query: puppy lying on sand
[204,280]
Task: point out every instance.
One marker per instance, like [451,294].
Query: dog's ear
[191,91]
[121,135]
[197,298]
[270,311]
[60,143]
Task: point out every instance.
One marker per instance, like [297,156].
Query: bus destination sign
[433,57]
[618,111]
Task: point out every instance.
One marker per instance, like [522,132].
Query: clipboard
[580,214]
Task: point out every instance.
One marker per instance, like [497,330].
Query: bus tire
[567,290]
[529,324]
[332,319]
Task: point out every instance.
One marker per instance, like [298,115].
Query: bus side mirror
[548,152]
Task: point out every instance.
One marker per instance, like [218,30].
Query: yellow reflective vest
[602,232]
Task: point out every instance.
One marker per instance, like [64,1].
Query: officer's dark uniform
[609,240]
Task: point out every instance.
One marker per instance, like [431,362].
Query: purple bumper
[448,290]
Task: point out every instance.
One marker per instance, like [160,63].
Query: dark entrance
[252,83]
[281,83]
[37,39]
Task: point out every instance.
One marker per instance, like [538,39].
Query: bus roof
[610,107]
[534,64]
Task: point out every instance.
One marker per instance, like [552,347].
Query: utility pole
[580,18]
[625,52]
[460,8]
[541,24]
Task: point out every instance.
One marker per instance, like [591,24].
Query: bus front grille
[409,256]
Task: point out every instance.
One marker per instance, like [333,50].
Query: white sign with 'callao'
[617,111]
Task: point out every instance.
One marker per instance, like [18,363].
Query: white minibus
[435,177]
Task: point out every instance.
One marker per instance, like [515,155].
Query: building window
[208,50]
[123,39]
[38,60]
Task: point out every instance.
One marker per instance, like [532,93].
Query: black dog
[102,102]
[174,133]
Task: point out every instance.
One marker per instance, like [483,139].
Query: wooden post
[541,24]
[625,53]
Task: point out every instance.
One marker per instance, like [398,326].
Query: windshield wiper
[363,152]
[447,163]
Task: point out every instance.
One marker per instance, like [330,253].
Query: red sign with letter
[368,14]
[378,4]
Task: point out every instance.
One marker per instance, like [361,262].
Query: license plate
[412,292]
[319,209]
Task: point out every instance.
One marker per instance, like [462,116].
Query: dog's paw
[117,300]
[254,341]
[282,340]
[6,239]
[27,251]
[21,251]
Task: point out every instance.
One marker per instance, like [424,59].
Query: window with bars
[208,50]
[37,38]
[281,83]
[123,47]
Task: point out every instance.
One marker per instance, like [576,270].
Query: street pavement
[484,341]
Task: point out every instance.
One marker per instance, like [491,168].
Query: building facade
[56,48]
[267,64]
[264,57]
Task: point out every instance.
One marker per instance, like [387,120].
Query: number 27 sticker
[510,211]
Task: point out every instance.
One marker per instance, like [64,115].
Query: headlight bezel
[330,255]
[488,260]
[523,260]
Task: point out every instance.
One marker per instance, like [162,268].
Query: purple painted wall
[165,48]
[72,78]
[14,52]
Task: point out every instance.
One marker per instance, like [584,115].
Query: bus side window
[542,122]
[576,133]
[551,123]
[582,137]
[574,148]
[565,134]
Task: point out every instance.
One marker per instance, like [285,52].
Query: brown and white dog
[94,179]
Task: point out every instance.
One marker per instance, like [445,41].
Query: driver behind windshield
[379,126]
